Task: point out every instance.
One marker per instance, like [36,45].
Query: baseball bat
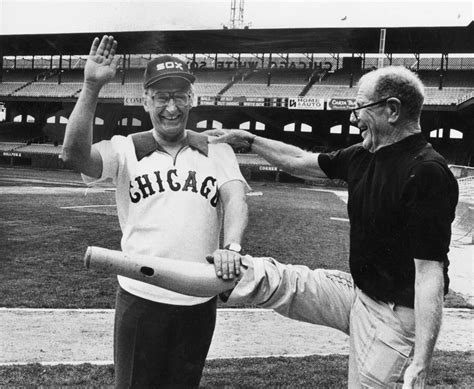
[190,278]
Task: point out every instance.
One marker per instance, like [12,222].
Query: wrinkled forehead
[365,91]
[170,84]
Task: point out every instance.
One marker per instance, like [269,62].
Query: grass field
[449,370]
[44,240]
[44,243]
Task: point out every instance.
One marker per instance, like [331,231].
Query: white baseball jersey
[167,207]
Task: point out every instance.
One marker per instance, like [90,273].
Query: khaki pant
[381,335]
[381,343]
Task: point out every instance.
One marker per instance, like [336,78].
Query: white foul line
[111,362]
[89,206]
[111,310]
[341,219]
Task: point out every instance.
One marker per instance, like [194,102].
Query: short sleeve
[227,164]
[336,164]
[110,152]
[431,196]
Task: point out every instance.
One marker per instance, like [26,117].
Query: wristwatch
[234,247]
[250,142]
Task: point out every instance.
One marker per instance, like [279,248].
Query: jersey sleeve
[112,153]
[430,195]
[227,164]
[336,164]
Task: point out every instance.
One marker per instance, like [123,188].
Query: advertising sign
[341,104]
[2,112]
[248,61]
[11,154]
[242,101]
[311,103]
[130,101]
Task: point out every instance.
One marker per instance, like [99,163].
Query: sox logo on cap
[164,67]
[169,65]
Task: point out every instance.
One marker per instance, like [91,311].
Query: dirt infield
[77,336]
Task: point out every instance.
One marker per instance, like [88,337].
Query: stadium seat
[40,149]
[262,90]
[48,89]
[7,88]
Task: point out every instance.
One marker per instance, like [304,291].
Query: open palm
[101,64]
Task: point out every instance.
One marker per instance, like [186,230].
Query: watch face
[234,247]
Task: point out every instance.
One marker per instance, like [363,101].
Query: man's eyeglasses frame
[354,110]
[171,95]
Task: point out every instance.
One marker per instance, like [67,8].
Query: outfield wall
[253,167]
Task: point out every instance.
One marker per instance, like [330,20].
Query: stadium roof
[53,27]
[297,40]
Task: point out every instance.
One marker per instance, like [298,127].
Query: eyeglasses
[160,99]
[354,110]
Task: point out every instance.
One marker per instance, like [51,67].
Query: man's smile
[174,117]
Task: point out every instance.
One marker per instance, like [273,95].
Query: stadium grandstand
[296,85]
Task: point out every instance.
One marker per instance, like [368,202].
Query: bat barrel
[191,278]
[141,268]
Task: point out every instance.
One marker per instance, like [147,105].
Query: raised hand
[101,64]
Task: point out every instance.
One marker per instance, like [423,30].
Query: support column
[351,81]
[60,68]
[383,33]
[1,60]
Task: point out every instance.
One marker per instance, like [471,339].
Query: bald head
[399,82]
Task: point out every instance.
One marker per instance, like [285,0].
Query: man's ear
[394,105]
[145,101]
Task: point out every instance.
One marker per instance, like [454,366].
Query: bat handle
[87,257]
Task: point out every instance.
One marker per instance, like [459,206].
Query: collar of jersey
[145,143]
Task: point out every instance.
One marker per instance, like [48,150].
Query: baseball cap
[166,66]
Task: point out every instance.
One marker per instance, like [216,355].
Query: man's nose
[353,119]
[171,106]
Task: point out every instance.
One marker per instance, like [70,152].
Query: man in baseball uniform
[173,190]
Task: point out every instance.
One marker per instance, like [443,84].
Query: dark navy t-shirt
[401,204]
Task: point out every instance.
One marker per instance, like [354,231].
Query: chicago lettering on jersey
[146,185]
